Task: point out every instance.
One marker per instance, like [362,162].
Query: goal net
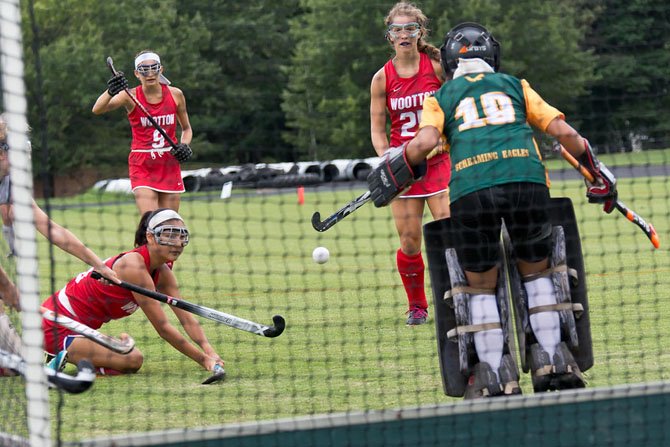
[278,96]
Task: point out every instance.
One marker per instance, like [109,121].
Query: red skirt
[435,181]
[55,335]
[157,170]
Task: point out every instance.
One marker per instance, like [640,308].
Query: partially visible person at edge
[498,173]
[160,239]
[154,170]
[61,237]
[400,88]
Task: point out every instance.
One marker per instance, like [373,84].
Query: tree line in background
[288,80]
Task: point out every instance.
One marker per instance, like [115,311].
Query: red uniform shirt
[145,136]
[150,163]
[404,102]
[88,301]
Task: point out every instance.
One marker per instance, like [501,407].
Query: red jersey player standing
[400,88]
[155,174]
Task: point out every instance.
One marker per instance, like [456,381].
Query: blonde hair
[410,10]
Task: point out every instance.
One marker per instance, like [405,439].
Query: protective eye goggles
[412,29]
[148,69]
[171,235]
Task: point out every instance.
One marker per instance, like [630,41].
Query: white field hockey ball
[320,255]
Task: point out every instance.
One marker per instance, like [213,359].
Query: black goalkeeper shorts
[477,217]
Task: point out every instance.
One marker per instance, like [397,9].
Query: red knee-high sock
[411,270]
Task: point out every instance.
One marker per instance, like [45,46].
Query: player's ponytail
[432,51]
[141,233]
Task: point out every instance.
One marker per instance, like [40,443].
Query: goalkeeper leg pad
[562,214]
[438,237]
[566,272]
[451,294]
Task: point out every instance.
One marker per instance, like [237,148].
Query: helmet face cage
[469,40]
[148,69]
[171,235]
[412,29]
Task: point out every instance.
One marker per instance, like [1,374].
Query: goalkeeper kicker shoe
[417,315]
[541,368]
[561,374]
[566,372]
[485,383]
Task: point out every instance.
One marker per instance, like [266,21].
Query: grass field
[346,346]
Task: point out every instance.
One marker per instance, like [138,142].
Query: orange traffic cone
[301,195]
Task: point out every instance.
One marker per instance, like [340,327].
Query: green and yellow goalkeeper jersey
[486,118]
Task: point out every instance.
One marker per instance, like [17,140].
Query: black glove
[603,189]
[392,176]
[182,152]
[117,83]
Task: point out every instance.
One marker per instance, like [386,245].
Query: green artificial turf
[346,346]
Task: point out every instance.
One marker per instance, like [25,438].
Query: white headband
[162,216]
[145,57]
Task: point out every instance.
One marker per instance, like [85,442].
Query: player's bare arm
[8,293]
[131,269]
[567,136]
[68,242]
[107,103]
[167,283]
[378,112]
[421,145]
[182,116]
[110,99]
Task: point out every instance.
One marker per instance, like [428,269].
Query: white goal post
[14,109]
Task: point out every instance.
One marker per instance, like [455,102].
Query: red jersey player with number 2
[155,174]
[400,88]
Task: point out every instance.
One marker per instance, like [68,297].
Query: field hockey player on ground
[159,241]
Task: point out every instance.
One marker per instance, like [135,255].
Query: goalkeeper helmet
[466,41]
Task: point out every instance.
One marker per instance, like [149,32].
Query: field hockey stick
[340,214]
[218,374]
[619,205]
[350,207]
[70,384]
[206,312]
[110,64]
[115,344]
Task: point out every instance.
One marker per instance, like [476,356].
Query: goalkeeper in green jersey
[497,174]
